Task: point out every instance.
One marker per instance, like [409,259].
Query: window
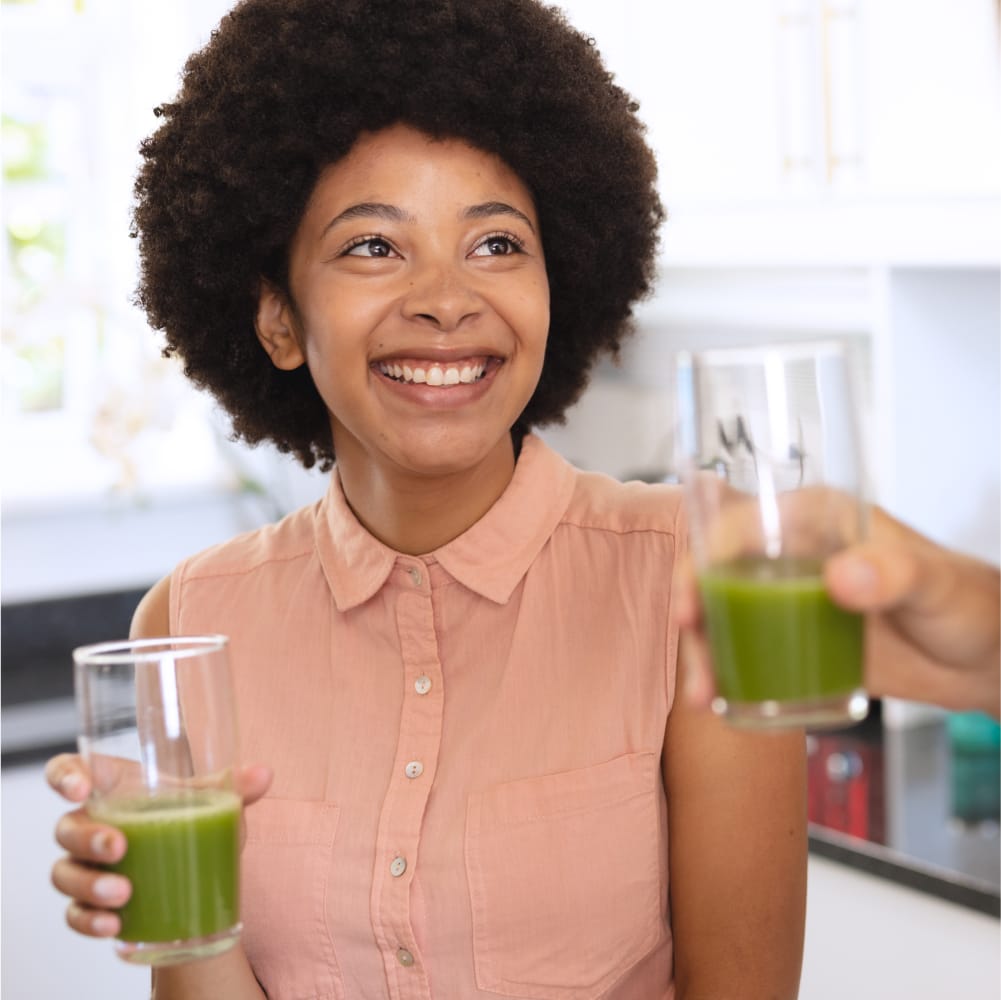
[89,405]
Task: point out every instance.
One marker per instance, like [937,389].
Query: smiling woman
[423,281]
[460,665]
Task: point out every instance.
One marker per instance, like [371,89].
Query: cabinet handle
[832,160]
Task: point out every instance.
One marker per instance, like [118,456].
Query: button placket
[401,820]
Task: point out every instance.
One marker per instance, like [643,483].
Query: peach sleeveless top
[468,798]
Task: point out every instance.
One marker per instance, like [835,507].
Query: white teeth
[434,375]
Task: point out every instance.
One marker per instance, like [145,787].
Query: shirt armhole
[680,548]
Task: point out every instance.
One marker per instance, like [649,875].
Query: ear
[275,326]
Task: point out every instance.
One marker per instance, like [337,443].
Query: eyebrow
[392,213]
[489,208]
[370,210]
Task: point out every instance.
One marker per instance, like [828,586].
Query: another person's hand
[95,894]
[934,626]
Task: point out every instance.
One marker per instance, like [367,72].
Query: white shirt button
[404,957]
[414,769]
[415,575]
[423,684]
[397,866]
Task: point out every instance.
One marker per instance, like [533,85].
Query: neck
[417,513]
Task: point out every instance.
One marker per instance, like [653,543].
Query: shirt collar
[489,558]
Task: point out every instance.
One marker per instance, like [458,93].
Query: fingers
[93,923]
[88,840]
[92,890]
[67,776]
[91,887]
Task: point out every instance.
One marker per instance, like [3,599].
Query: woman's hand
[934,625]
[96,894]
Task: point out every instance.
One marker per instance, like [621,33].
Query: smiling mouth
[434,373]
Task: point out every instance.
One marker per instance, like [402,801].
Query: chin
[451,455]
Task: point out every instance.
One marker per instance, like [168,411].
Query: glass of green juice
[769,451]
[158,734]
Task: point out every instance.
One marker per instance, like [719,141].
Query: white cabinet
[931,121]
[840,131]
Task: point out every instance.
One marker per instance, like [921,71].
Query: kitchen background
[830,167]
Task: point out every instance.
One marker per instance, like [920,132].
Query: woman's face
[420,302]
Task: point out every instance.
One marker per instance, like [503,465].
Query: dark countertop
[907,804]
[901,804]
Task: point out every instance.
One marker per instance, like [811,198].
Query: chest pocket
[286,869]
[567,876]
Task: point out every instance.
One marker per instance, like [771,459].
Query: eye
[498,245]
[369,246]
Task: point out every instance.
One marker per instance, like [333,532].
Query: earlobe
[275,330]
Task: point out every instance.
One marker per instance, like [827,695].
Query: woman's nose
[441,296]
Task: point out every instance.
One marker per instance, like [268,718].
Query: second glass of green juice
[771,459]
[158,733]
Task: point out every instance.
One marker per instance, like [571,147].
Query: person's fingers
[92,887]
[67,775]
[92,922]
[88,840]
[252,782]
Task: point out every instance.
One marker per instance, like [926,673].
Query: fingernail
[100,843]
[105,924]
[110,888]
[72,785]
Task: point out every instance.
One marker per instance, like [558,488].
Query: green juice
[775,635]
[183,861]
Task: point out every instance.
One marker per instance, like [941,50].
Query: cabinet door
[706,76]
[932,111]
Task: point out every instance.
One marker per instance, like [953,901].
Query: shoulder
[291,538]
[602,503]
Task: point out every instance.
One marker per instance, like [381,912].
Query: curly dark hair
[285,87]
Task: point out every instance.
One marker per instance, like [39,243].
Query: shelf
[837,233]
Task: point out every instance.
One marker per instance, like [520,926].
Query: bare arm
[738,854]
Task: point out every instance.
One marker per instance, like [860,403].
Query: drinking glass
[158,733]
[770,457]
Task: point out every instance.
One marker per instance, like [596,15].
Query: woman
[400,233]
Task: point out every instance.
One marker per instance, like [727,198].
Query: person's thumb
[871,577]
[252,782]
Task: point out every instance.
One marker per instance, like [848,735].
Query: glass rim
[148,649]
[784,350]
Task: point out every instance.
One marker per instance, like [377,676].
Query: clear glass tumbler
[769,451]
[158,733]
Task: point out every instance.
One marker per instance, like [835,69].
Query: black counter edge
[907,871]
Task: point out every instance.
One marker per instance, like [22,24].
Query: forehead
[403,166]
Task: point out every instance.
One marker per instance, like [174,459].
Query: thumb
[873,577]
[252,782]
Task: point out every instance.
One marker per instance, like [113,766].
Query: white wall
[867,939]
